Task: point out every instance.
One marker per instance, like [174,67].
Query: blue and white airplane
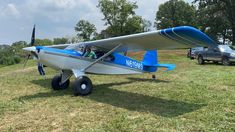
[69,59]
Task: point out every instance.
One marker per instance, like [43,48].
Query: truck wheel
[215,62]
[200,60]
[225,61]
[82,86]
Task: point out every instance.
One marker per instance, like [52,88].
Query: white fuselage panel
[66,62]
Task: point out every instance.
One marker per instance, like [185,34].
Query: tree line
[214,17]
[13,54]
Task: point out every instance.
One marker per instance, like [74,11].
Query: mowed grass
[190,98]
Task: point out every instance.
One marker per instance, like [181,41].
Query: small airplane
[69,59]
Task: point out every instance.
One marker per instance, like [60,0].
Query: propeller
[31,44]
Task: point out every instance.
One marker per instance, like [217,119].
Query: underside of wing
[172,38]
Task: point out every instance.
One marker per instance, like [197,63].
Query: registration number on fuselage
[134,64]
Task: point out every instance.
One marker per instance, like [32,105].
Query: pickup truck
[192,52]
[222,53]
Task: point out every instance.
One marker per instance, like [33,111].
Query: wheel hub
[83,86]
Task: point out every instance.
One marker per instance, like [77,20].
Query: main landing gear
[82,85]
[57,85]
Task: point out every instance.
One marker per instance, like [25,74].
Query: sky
[56,18]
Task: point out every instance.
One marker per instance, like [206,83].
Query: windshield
[197,49]
[79,48]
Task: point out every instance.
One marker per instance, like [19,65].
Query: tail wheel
[56,83]
[225,61]
[82,86]
[200,60]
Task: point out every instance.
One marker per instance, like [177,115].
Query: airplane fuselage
[70,59]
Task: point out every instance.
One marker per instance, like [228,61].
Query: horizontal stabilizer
[169,67]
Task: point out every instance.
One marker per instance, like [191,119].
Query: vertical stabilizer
[150,58]
[150,62]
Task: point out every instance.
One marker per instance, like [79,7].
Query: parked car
[193,52]
[222,53]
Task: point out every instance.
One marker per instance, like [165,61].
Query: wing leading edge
[172,38]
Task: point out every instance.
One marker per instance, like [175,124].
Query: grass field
[190,98]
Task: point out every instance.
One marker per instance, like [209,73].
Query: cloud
[56,18]
[10,10]
[148,9]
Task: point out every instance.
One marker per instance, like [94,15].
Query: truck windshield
[233,48]
[226,48]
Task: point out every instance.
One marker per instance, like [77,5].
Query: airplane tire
[55,83]
[82,86]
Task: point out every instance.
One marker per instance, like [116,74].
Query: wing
[60,46]
[172,38]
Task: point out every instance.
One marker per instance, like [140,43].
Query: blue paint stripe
[168,33]
[171,33]
[127,61]
[61,51]
[167,36]
[188,35]
[194,34]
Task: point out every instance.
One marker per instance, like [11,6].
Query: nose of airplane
[32,51]
[33,48]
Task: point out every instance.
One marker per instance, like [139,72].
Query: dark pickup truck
[223,53]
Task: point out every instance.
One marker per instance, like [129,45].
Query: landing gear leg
[82,86]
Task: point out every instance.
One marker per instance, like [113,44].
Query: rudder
[150,60]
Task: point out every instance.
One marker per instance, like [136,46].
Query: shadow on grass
[128,100]
[142,103]
[215,64]
[44,83]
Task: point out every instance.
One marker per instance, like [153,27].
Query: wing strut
[102,57]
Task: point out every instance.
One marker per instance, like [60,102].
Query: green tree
[43,42]
[146,25]
[3,46]
[85,29]
[74,39]
[175,13]
[217,18]
[120,17]
[19,44]
[17,48]
[62,40]
[133,25]
[8,56]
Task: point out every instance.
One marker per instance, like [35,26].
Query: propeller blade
[33,37]
[32,43]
